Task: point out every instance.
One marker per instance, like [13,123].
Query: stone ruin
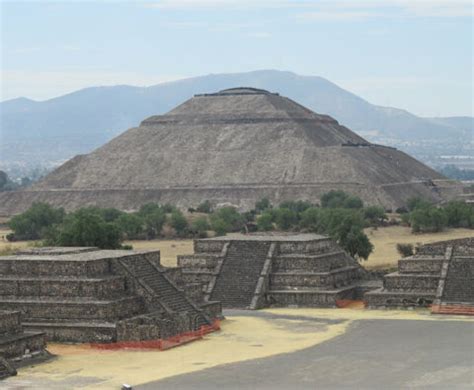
[18,346]
[101,296]
[440,275]
[256,271]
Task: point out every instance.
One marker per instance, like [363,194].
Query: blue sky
[411,54]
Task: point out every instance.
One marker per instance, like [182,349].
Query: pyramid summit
[237,145]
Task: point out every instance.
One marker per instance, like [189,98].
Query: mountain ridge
[82,120]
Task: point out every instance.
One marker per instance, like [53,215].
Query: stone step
[66,286]
[336,278]
[412,282]
[421,265]
[15,346]
[310,263]
[77,308]
[387,298]
[75,331]
[310,297]
[235,285]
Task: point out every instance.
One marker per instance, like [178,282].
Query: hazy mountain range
[51,131]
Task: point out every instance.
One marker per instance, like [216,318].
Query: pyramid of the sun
[237,146]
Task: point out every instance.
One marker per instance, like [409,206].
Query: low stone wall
[398,282]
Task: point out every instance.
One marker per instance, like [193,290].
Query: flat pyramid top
[239,91]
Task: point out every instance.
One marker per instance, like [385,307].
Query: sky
[410,54]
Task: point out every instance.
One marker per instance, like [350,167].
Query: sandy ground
[385,241]
[244,336]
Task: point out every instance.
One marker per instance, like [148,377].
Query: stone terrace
[440,273]
[259,270]
[90,295]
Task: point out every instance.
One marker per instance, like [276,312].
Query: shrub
[205,207]
[298,206]
[262,205]
[340,199]
[405,250]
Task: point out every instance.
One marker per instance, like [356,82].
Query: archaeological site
[235,146]
[100,296]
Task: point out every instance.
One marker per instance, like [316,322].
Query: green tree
[357,244]
[226,219]
[131,225]
[374,215]
[200,226]
[417,203]
[459,214]
[34,223]
[86,228]
[265,222]
[298,206]
[339,199]
[154,218]
[286,218]
[178,222]
[428,219]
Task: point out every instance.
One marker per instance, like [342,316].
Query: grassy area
[169,249]
[385,241]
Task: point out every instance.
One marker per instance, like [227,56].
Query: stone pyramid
[237,146]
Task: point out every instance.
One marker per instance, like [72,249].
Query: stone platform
[91,295]
[255,271]
[16,345]
[440,275]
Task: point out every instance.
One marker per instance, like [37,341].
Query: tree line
[340,215]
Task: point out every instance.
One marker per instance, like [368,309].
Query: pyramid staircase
[236,283]
[169,296]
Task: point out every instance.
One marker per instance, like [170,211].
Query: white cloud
[42,85]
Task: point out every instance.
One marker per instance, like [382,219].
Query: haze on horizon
[415,55]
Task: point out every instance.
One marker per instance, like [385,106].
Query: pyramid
[234,146]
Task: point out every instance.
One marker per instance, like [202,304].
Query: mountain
[54,130]
[237,145]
